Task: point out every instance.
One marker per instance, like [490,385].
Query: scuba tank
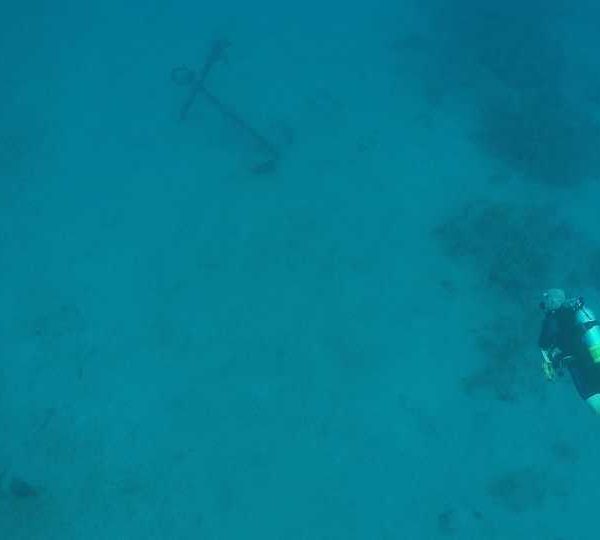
[590,330]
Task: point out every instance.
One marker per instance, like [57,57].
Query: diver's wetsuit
[560,330]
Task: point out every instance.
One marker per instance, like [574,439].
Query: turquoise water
[308,309]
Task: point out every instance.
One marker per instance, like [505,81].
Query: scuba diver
[570,339]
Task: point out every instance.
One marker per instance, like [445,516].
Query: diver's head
[552,299]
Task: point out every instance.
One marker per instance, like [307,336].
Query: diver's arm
[553,362]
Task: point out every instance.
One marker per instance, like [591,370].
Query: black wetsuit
[560,330]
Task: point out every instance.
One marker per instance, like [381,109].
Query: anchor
[196,81]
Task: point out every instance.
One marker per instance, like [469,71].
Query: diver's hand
[549,370]
[548,366]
